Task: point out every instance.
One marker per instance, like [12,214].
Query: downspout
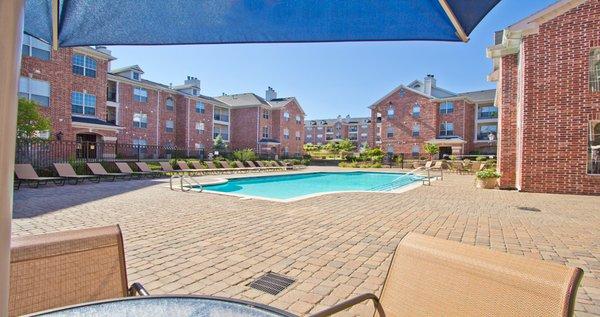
[157,120]
[187,128]
[11,21]
[258,130]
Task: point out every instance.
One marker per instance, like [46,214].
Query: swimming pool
[295,186]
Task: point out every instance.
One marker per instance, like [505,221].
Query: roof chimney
[429,84]
[270,94]
[192,81]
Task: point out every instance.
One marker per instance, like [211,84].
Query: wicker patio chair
[26,173]
[66,171]
[66,268]
[435,277]
[98,169]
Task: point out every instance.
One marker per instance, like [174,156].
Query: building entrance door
[445,151]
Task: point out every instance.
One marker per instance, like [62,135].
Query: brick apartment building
[89,103]
[547,67]
[421,112]
[321,131]
[270,125]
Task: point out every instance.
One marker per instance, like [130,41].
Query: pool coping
[402,189]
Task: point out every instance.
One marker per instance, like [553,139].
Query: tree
[431,149]
[30,121]
[219,144]
[345,146]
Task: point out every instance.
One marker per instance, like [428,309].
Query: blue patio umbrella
[152,22]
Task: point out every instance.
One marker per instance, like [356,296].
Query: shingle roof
[127,68]
[243,100]
[480,95]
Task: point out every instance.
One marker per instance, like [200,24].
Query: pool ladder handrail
[392,185]
[189,181]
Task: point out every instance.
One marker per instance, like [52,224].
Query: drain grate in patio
[529,209]
[271,283]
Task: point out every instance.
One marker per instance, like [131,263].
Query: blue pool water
[292,186]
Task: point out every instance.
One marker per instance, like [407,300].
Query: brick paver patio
[335,246]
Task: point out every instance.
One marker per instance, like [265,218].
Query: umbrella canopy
[151,22]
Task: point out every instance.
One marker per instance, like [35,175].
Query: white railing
[186,182]
[397,182]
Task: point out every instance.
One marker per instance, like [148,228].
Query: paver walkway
[335,246]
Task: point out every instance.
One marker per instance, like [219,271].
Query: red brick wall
[127,107]
[294,146]
[194,136]
[558,103]
[403,121]
[243,128]
[507,129]
[58,72]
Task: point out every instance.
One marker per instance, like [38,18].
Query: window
[298,119]
[199,127]
[84,65]
[484,130]
[309,136]
[390,149]
[416,130]
[111,91]
[353,128]
[82,103]
[286,134]
[265,114]
[221,130]
[416,110]
[390,132]
[286,151]
[487,112]
[141,144]
[195,92]
[200,108]
[170,104]
[265,132]
[446,129]
[135,75]
[169,126]
[329,130]
[415,150]
[594,148]
[140,120]
[446,107]
[221,114]
[298,135]
[286,116]
[320,128]
[35,90]
[595,70]
[390,113]
[35,48]
[140,94]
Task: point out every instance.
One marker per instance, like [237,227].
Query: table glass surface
[166,306]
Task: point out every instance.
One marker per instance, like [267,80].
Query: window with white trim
[390,132]
[286,134]
[265,114]
[135,76]
[286,116]
[140,120]
[446,107]
[265,132]
[390,113]
[298,137]
[594,148]
[446,129]
[222,130]
[200,127]
[34,47]
[35,90]
[82,103]
[169,126]
[200,107]
[416,110]
[595,70]
[140,94]
[170,104]
[298,119]
[416,130]
[84,65]
[415,151]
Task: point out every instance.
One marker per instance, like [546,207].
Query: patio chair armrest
[349,303]
[137,289]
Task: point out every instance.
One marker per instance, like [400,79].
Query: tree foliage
[244,155]
[431,149]
[219,144]
[30,121]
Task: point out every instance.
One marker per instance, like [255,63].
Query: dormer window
[135,76]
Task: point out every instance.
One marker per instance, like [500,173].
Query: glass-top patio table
[168,305]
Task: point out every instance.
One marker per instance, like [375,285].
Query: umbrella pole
[11,24]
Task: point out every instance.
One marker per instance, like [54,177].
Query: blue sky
[329,78]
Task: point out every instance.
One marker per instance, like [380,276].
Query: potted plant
[487,178]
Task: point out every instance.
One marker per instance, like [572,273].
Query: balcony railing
[487,115]
[485,136]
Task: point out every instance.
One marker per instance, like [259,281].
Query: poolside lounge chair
[285,165]
[145,168]
[438,166]
[203,169]
[184,167]
[26,173]
[241,165]
[125,168]
[226,166]
[66,268]
[269,167]
[98,170]
[435,277]
[66,171]
[167,168]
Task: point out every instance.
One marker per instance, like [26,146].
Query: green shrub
[488,173]
[244,155]
[480,158]
[376,165]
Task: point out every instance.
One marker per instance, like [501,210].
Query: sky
[329,79]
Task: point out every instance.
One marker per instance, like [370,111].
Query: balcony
[484,136]
[221,117]
[483,115]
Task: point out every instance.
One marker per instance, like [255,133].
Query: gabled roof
[480,95]
[137,68]
[282,102]
[531,24]
[395,90]
[243,100]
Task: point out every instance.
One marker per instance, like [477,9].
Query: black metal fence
[42,153]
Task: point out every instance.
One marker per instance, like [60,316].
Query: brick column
[507,123]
